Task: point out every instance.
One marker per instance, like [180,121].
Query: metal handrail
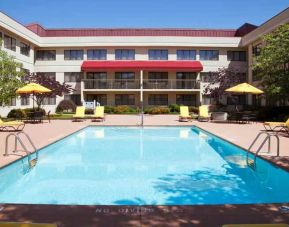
[267,138]
[18,139]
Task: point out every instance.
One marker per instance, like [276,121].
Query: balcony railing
[111,84]
[171,84]
[135,84]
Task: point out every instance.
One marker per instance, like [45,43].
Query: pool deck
[239,134]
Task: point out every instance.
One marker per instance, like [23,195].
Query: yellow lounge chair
[184,114]
[79,114]
[98,113]
[204,113]
[276,126]
[23,224]
[256,225]
[11,125]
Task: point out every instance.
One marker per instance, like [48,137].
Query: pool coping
[265,158]
[183,209]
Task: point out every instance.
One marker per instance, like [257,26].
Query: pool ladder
[252,162]
[17,139]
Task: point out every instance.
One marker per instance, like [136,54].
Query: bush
[194,109]
[157,110]
[174,108]
[277,113]
[121,109]
[108,109]
[66,106]
[89,111]
[17,114]
[28,110]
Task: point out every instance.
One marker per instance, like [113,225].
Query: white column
[141,95]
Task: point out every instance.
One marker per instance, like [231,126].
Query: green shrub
[174,108]
[108,109]
[277,113]
[157,110]
[17,114]
[66,106]
[194,109]
[29,110]
[89,111]
[121,109]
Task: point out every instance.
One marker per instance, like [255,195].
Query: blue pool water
[135,166]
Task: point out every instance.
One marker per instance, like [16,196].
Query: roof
[185,32]
[191,66]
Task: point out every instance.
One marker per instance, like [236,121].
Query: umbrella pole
[33,99]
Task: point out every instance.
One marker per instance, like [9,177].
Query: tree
[11,75]
[57,88]
[219,81]
[272,65]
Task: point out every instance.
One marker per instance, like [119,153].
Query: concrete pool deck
[86,216]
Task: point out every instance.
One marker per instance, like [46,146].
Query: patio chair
[98,113]
[79,114]
[276,126]
[204,113]
[11,125]
[184,114]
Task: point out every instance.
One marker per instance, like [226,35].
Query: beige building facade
[120,66]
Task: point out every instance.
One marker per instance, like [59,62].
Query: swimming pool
[143,166]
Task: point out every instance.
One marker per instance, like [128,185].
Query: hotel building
[119,66]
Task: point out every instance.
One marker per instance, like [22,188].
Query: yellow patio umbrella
[32,88]
[245,88]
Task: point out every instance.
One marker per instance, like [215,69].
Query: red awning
[190,66]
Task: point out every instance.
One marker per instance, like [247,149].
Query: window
[255,75]
[256,100]
[73,54]
[207,77]
[1,35]
[186,100]
[49,100]
[97,54]
[186,80]
[124,54]
[25,100]
[236,100]
[236,55]
[72,76]
[186,55]
[209,55]
[158,75]
[74,98]
[12,102]
[256,49]
[125,100]
[242,77]
[156,54]
[100,98]
[46,55]
[96,80]
[124,76]
[50,75]
[24,49]
[9,43]
[158,100]
[207,100]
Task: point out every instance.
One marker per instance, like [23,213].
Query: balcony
[170,84]
[111,84]
[135,84]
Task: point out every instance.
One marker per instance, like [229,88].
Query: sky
[142,13]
